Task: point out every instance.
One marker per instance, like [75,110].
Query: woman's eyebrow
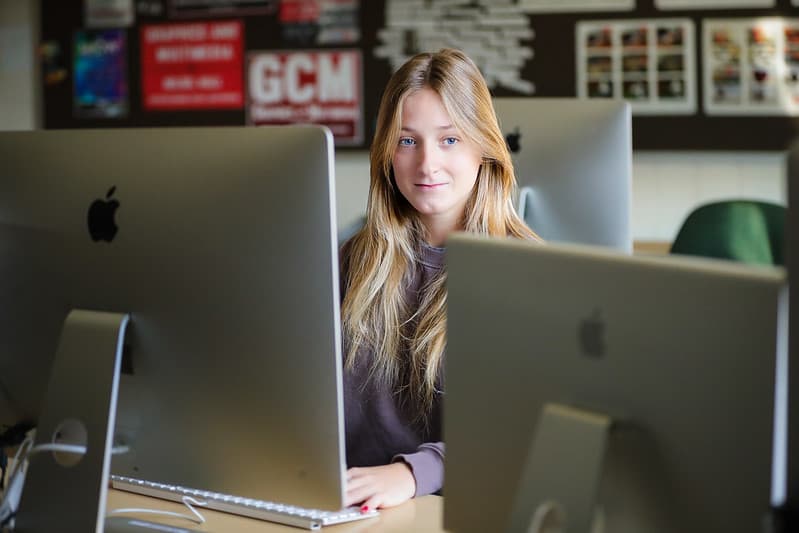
[446,127]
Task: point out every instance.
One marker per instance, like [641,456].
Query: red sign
[318,87]
[192,66]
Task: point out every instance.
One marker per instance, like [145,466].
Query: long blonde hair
[409,344]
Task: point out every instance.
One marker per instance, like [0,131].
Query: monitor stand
[68,491]
[560,478]
[525,196]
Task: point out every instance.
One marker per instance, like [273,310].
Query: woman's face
[435,166]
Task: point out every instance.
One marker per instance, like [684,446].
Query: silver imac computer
[573,162]
[220,245]
[592,389]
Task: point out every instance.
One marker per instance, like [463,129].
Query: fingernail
[364,508]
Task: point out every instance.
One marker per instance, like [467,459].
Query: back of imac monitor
[680,354]
[573,163]
[220,243]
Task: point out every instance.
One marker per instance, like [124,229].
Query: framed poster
[650,63]
[751,66]
[100,80]
[320,21]
[713,4]
[194,65]
[108,13]
[308,86]
[220,8]
[580,6]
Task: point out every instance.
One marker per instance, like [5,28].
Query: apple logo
[591,334]
[102,226]
[512,139]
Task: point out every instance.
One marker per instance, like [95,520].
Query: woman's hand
[380,486]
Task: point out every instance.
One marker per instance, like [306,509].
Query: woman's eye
[450,140]
[406,141]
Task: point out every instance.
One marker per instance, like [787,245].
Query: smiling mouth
[430,185]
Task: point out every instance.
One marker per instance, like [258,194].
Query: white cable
[23,451]
[77,449]
[188,501]
[16,477]
[119,450]
[57,447]
[16,481]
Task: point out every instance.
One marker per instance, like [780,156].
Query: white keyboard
[312,519]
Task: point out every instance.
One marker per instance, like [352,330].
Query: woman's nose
[428,159]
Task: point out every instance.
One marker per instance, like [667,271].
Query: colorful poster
[339,22]
[320,21]
[221,8]
[100,74]
[318,87]
[298,19]
[751,66]
[192,66]
[54,70]
[108,13]
[712,4]
[650,63]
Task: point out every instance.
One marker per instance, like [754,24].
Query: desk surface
[422,515]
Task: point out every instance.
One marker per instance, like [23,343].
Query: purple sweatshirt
[378,429]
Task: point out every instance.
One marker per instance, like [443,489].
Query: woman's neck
[439,228]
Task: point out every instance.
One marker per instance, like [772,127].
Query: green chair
[750,231]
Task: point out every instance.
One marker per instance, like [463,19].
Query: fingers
[359,486]
[356,482]
[355,471]
[358,495]
[381,486]
[375,502]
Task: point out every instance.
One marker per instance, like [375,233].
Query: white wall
[18,90]
[352,185]
[666,185]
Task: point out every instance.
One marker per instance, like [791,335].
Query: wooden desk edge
[423,515]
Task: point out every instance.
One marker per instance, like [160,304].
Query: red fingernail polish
[364,509]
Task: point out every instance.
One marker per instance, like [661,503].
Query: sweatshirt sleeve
[427,466]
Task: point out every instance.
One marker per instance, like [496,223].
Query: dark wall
[552,69]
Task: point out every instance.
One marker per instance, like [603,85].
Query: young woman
[439,163]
